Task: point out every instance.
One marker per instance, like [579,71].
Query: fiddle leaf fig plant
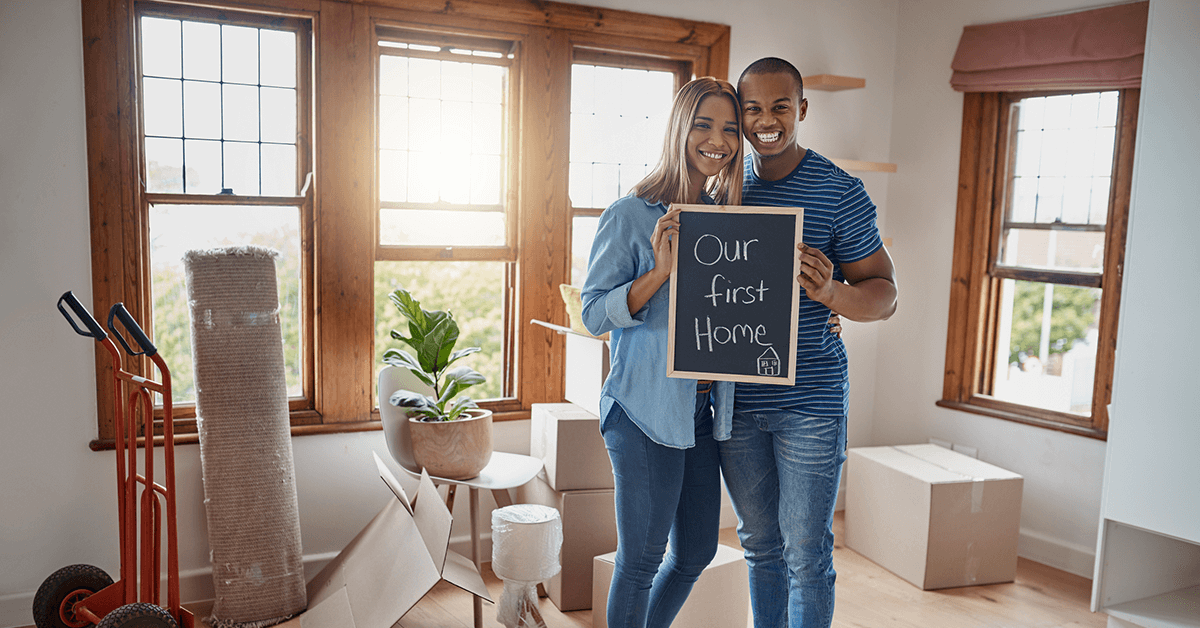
[432,336]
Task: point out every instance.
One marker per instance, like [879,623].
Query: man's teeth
[768,137]
[713,155]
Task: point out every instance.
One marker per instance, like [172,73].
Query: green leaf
[437,345]
[459,379]
[418,321]
[403,359]
[463,403]
[409,399]
[461,353]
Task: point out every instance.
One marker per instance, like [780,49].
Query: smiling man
[782,456]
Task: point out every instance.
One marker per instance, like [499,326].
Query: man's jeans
[661,491]
[782,470]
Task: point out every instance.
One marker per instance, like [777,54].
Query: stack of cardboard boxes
[578,481]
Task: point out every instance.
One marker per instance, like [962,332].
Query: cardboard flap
[394,484]
[432,520]
[333,611]
[910,464]
[390,572]
[462,573]
[958,463]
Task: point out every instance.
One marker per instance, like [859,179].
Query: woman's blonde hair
[668,182]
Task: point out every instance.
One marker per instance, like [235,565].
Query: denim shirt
[663,407]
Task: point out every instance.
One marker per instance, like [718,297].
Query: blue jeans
[782,470]
[661,493]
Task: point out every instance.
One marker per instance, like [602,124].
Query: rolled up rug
[245,437]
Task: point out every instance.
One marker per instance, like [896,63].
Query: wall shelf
[833,82]
[854,165]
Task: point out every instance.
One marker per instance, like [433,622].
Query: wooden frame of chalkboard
[734,299]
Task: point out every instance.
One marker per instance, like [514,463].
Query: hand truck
[77,596]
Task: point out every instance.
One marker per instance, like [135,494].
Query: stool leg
[477,601]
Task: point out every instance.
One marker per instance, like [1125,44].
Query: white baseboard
[17,609]
[1071,558]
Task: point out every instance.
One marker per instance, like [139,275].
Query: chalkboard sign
[734,297]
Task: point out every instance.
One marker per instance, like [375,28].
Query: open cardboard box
[587,366]
[392,563]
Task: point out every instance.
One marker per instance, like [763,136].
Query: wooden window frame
[339,229]
[976,278]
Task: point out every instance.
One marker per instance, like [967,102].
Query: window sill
[1009,415]
[193,438]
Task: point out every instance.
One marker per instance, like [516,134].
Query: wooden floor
[868,596]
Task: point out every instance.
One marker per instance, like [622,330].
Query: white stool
[526,540]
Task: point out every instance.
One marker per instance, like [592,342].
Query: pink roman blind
[1100,48]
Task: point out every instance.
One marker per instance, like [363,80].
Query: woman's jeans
[661,493]
[782,469]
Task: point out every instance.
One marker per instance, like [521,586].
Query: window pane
[432,227]
[583,231]
[164,165]
[203,173]
[241,168]
[240,108]
[472,291]
[615,139]
[220,101]
[163,103]
[161,47]
[278,115]
[278,58]
[441,140]
[239,54]
[202,110]
[1046,345]
[202,51]
[175,229]
[1057,250]
[279,170]
[1064,151]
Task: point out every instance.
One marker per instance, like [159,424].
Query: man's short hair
[773,65]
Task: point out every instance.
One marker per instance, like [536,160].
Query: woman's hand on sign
[816,274]
[663,239]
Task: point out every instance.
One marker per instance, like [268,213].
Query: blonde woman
[659,430]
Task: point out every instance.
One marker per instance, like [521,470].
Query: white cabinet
[1148,550]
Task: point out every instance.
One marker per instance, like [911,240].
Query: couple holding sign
[781,446]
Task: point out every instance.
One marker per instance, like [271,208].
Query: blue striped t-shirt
[839,219]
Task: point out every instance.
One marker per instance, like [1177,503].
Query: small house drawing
[768,363]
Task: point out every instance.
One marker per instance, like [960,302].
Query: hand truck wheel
[53,604]
[139,615]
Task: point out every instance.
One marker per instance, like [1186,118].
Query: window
[376,146]
[225,158]
[615,140]
[444,108]
[1039,244]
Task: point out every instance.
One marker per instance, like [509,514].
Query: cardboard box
[589,520]
[934,517]
[392,563]
[567,439]
[719,599]
[587,365]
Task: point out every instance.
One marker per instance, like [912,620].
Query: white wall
[58,495]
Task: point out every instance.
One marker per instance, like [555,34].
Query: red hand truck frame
[82,595]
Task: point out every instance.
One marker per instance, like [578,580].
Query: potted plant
[451,435]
